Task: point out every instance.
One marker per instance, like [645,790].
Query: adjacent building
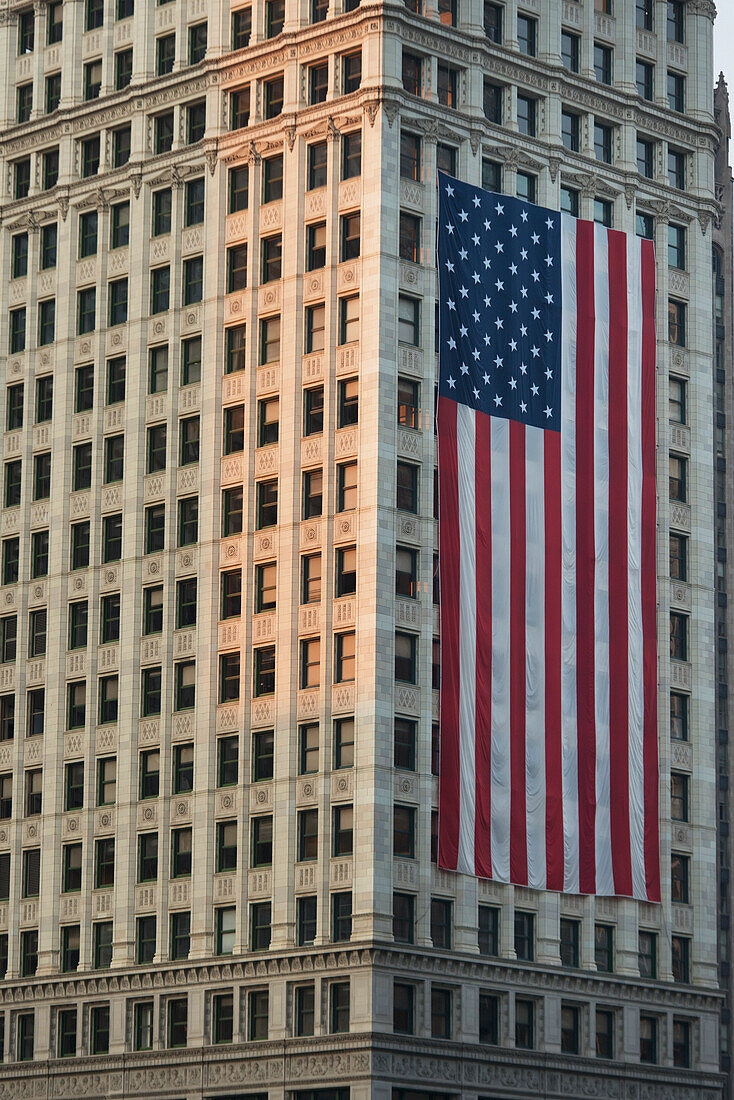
[219,615]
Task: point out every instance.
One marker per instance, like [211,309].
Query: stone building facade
[218,617]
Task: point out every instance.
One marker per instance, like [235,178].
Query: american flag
[546,434]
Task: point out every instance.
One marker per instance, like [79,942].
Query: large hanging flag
[546,435]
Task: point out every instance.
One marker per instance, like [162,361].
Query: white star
[475,353]
[524,215]
[523,407]
[536,276]
[513,307]
[475,239]
[463,291]
[499,208]
[463,253]
[476,200]
[550,223]
[513,269]
[535,390]
[499,246]
[450,304]
[523,368]
[513,345]
[475,315]
[499,323]
[475,277]
[449,189]
[464,368]
[536,314]
[548,335]
[449,228]
[449,265]
[452,344]
[535,238]
[535,352]
[487,301]
[476,393]
[486,224]
[524,253]
[513,230]
[513,383]
[497,399]
[548,373]
[452,383]
[549,261]
[463,215]
[463,330]
[486,339]
[487,263]
[548,410]
[524,291]
[549,299]
[523,330]
[486,379]
[498,362]
[500,285]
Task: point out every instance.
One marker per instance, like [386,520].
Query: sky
[724,42]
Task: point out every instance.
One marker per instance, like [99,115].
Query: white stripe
[604,870]
[500,769]
[535,656]
[569,736]
[465,443]
[634,579]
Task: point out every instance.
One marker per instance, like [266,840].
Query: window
[570,131]
[188,521]
[604,947]
[677,481]
[66,1017]
[492,175]
[46,322]
[527,29]
[341,917]
[21,178]
[678,716]
[145,945]
[603,62]
[155,528]
[441,1011]
[106,780]
[263,748]
[351,155]
[493,21]
[6,796]
[86,310]
[160,289]
[680,878]
[647,952]
[229,677]
[344,658]
[123,68]
[603,212]
[272,253]
[8,637]
[186,595]
[39,554]
[147,857]
[260,926]
[350,237]
[570,936]
[308,748]
[678,557]
[90,157]
[315,329]
[644,225]
[261,841]
[108,694]
[31,873]
[648,1039]
[677,247]
[408,333]
[117,301]
[241,28]
[29,954]
[403,831]
[224,930]
[181,854]
[315,248]
[308,835]
[603,137]
[197,43]
[74,785]
[269,340]
[412,73]
[17,330]
[310,672]
[193,280]
[266,504]
[227,761]
[569,50]
[54,22]
[488,932]
[526,115]
[645,14]
[93,79]
[344,743]
[14,407]
[177,1024]
[317,157]
[11,560]
[26,32]
[524,1024]
[272,97]
[49,237]
[149,773]
[346,571]
[52,92]
[676,21]
[318,83]
[524,935]
[447,80]
[410,156]
[409,246]
[338,1007]
[677,322]
[404,741]
[163,132]
[677,169]
[235,344]
[406,647]
[183,765]
[258,1000]
[681,958]
[351,72]
[274,17]
[342,831]
[37,632]
[570,1029]
[104,862]
[526,186]
[489,1018]
[676,92]
[36,709]
[644,78]
[114,456]
[94,14]
[150,691]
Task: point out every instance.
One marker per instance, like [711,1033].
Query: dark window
[272,97]
[350,237]
[238,189]
[681,958]
[644,78]
[29,954]
[489,1018]
[341,917]
[53,92]
[441,1012]
[274,17]
[260,926]
[676,92]
[441,923]
[677,322]
[676,21]
[190,361]
[46,322]
[123,68]
[570,130]
[66,1017]
[407,487]
[678,636]
[493,14]
[11,560]
[272,256]
[193,280]
[153,610]
[647,954]
[604,947]
[339,1007]
[680,868]
[155,528]
[8,637]
[235,349]
[145,944]
[188,521]
[186,594]
[86,310]
[681,1043]
[678,716]
[74,785]
[177,1023]
[269,340]
[227,761]
[163,132]
[231,600]
[524,935]
[236,268]
[147,857]
[266,504]
[150,768]
[39,554]
[318,83]
[488,932]
[197,43]
[603,63]
[412,73]
[104,862]
[160,289]
[183,767]
[188,441]
[90,157]
[106,780]
[224,930]
[570,1029]
[102,944]
[308,748]
[351,155]
[604,1033]
[76,706]
[50,174]
[150,691]
[342,831]
[410,156]
[648,1039]
[569,50]
[308,835]
[403,831]
[93,79]
[263,749]
[35,717]
[21,178]
[527,33]
[37,632]
[315,246]
[181,855]
[406,657]
[524,1024]
[241,28]
[403,920]
[108,696]
[570,937]
[644,14]
[317,158]
[229,677]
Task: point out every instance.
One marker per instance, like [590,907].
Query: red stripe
[585,556]
[553,763]
[618,568]
[449,565]
[518,819]
[648,579]
[483,736]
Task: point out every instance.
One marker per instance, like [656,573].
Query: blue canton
[499,264]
